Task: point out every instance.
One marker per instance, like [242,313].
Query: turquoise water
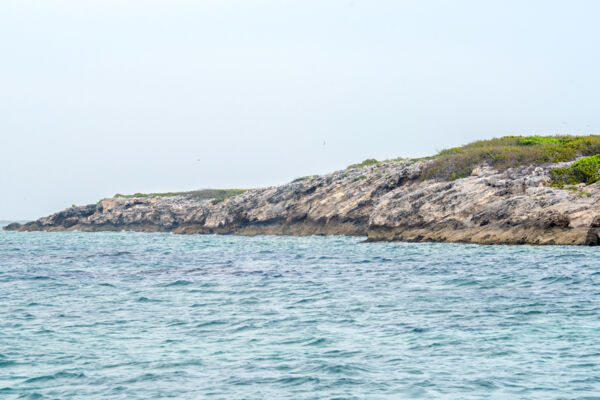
[145,315]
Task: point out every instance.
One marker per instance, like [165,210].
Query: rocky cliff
[387,202]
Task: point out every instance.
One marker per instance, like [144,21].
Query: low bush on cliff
[302,178]
[204,194]
[582,171]
[365,163]
[165,194]
[509,151]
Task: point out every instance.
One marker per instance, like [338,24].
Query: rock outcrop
[385,202]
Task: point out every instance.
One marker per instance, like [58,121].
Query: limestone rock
[383,202]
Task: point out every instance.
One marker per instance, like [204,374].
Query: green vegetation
[533,140]
[582,171]
[302,178]
[577,191]
[512,151]
[365,163]
[509,151]
[204,194]
[372,161]
[166,194]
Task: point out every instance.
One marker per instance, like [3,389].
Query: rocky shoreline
[385,202]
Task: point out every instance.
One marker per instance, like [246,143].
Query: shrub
[302,178]
[533,140]
[582,171]
[365,163]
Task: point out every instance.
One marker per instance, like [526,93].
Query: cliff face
[383,202]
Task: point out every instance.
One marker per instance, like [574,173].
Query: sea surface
[122,315]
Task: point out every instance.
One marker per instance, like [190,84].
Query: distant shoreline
[501,191]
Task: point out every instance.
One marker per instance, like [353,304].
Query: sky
[124,96]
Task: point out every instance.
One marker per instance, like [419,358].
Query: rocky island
[510,190]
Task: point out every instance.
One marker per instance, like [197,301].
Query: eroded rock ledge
[386,202]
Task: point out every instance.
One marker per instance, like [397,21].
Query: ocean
[125,315]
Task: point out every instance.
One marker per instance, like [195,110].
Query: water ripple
[138,316]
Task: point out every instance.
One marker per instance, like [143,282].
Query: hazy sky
[100,97]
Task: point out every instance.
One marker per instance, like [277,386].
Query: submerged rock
[385,202]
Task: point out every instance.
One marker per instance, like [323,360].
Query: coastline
[384,202]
